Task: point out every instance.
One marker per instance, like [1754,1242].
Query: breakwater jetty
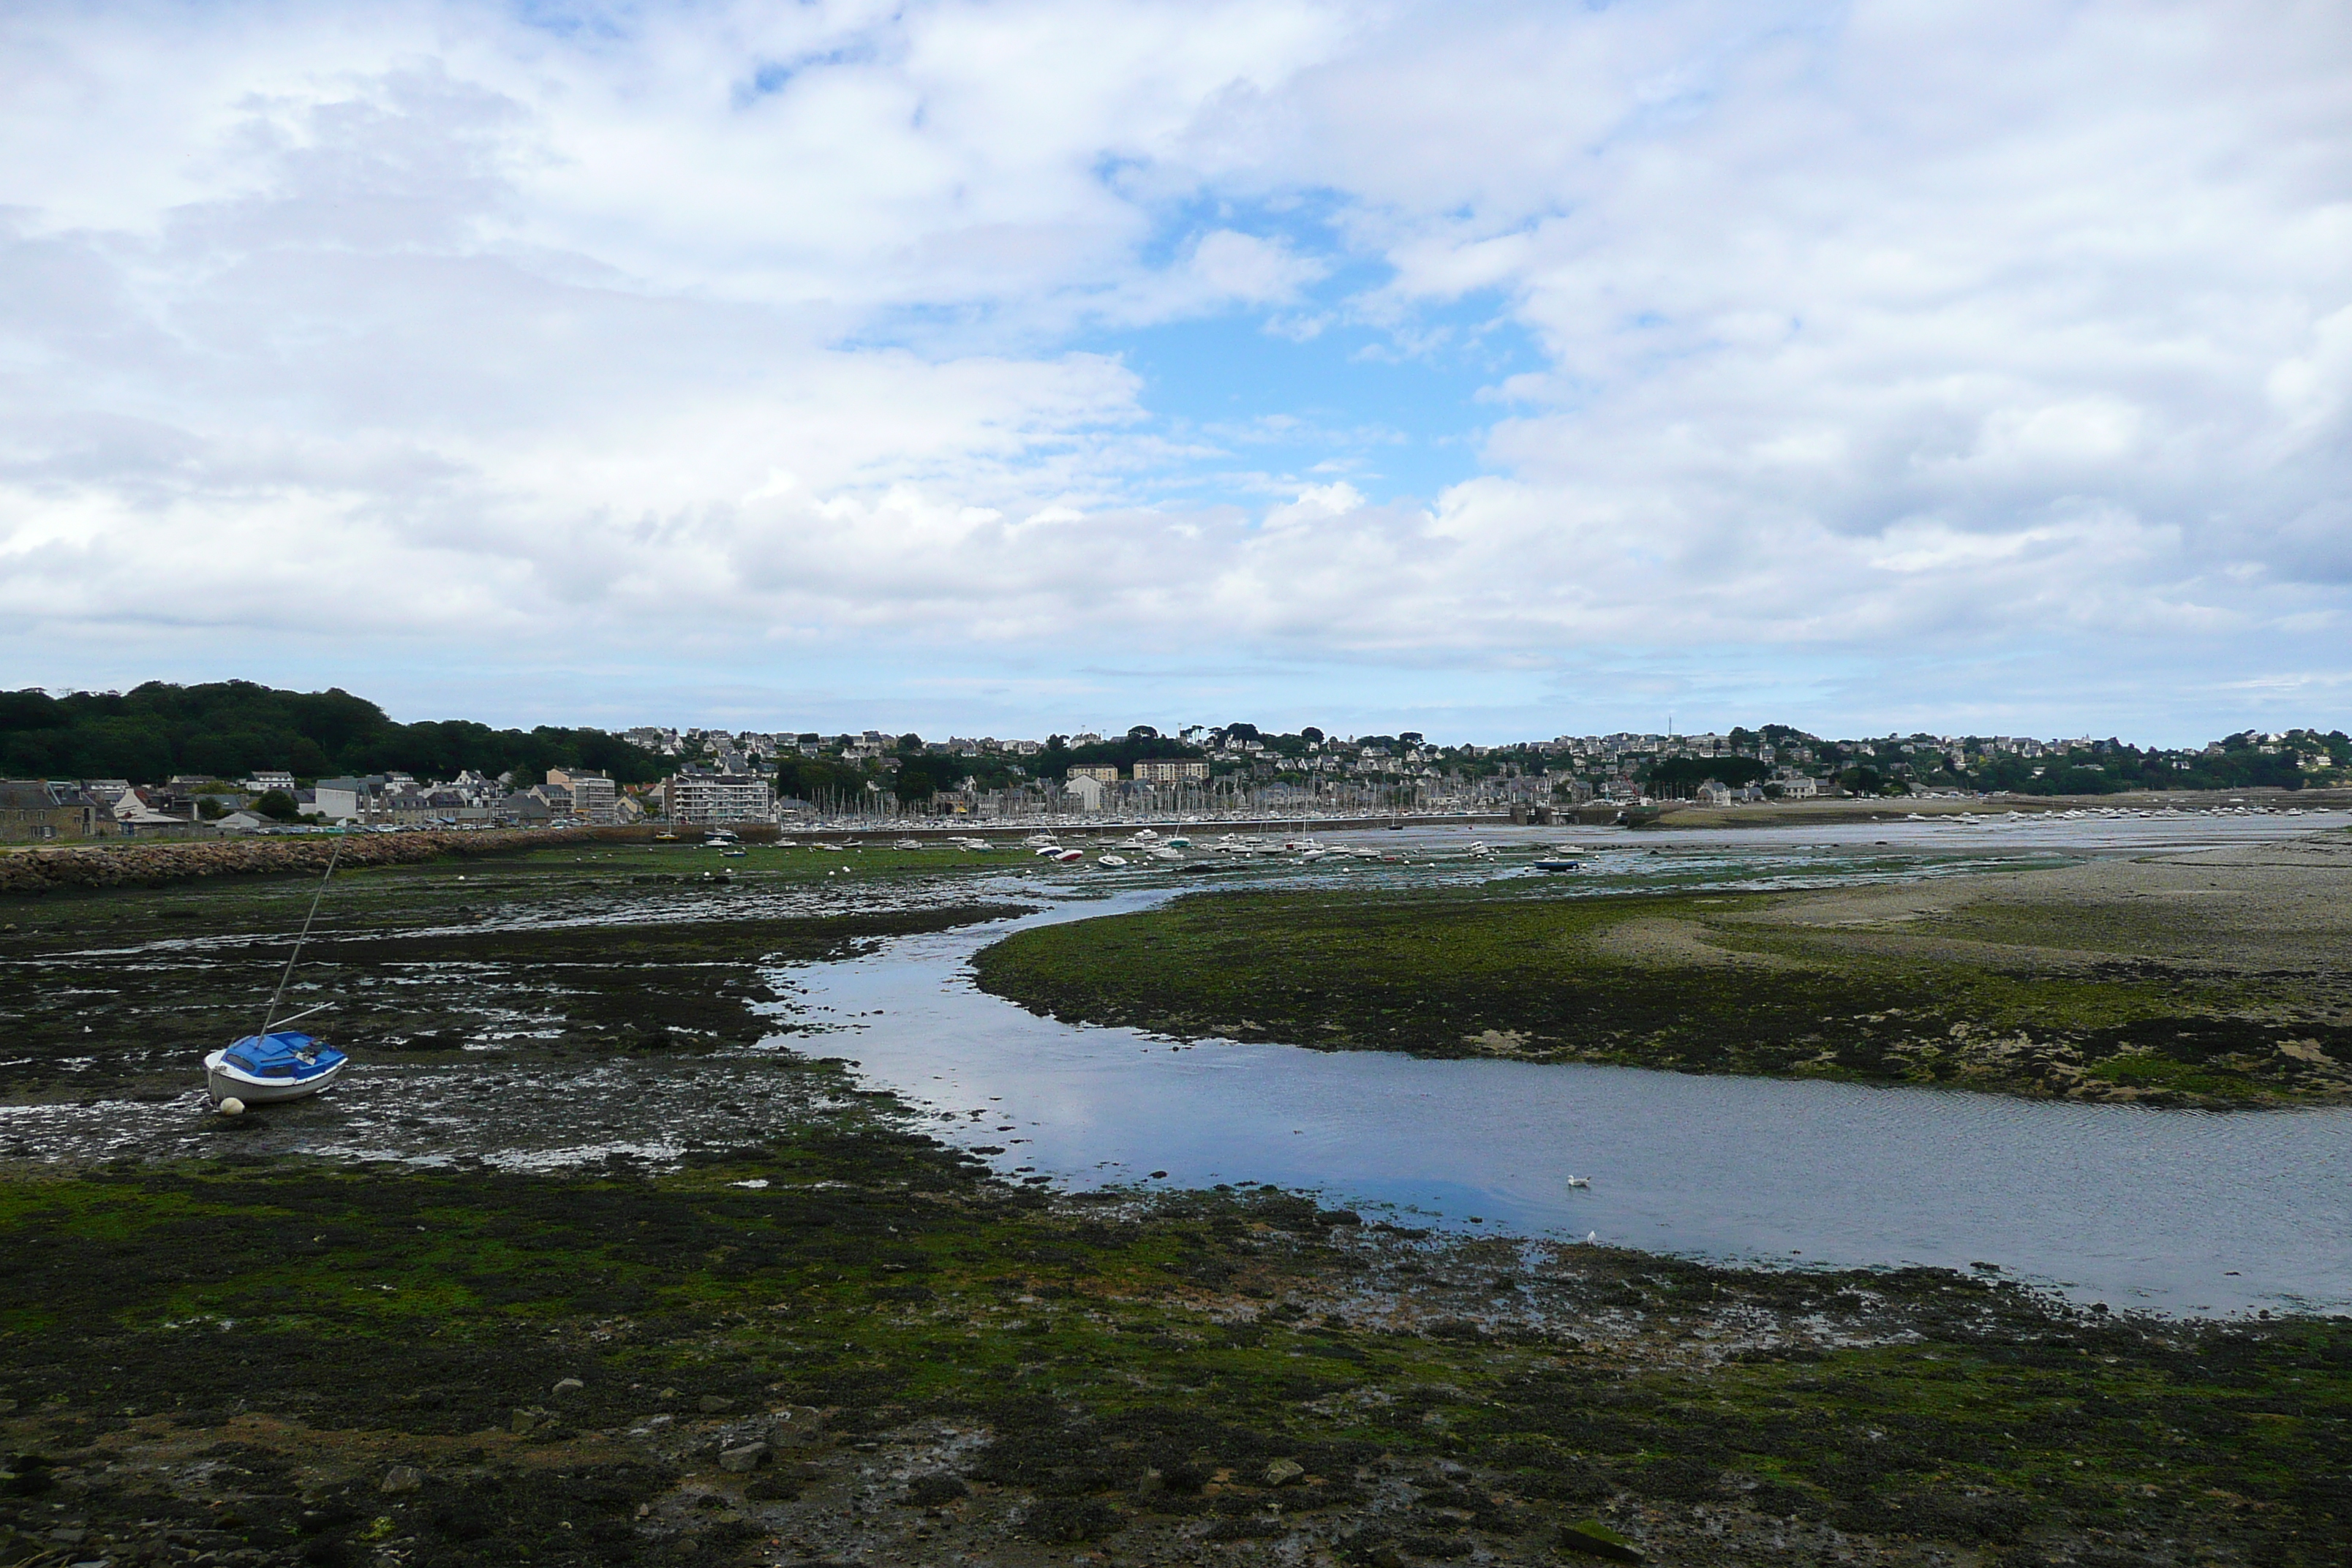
[118,864]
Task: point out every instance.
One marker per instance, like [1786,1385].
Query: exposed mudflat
[610,1256]
[843,1346]
[2214,977]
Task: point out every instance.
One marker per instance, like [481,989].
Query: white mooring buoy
[232,1106]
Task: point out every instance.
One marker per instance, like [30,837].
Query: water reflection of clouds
[2168,1211]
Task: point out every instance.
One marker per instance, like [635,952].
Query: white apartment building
[596,799]
[1170,771]
[703,799]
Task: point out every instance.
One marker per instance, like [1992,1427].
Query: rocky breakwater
[40,871]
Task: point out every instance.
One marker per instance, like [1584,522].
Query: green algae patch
[1714,984]
[1235,1365]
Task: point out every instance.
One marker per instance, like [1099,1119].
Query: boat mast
[270,1012]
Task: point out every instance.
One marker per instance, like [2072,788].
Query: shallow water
[2170,1211]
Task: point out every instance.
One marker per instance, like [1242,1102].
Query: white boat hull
[226,1083]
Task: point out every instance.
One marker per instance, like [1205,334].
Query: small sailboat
[277,1063]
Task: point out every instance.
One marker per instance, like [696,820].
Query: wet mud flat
[536,1007]
[847,1343]
[535,1288]
[2211,979]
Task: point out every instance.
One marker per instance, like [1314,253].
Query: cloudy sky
[1492,369]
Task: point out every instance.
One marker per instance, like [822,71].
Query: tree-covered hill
[229,729]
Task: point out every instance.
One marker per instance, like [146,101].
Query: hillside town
[701,778]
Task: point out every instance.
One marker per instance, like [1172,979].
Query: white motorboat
[1113,861]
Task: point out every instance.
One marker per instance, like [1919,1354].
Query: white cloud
[1964,329]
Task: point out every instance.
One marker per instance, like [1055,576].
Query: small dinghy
[261,1069]
[278,1063]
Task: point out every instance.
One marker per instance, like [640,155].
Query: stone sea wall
[35,871]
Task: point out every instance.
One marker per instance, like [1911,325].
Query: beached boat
[1558,865]
[275,1063]
[907,844]
[262,1069]
[719,838]
[1067,856]
[1113,861]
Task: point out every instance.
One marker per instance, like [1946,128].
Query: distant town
[234,757]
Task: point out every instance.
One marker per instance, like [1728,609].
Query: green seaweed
[888,1280]
[1463,972]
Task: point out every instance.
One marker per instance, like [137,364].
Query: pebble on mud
[403,1479]
[569,1385]
[1282,1472]
[746,1458]
[525,1421]
[714,1403]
